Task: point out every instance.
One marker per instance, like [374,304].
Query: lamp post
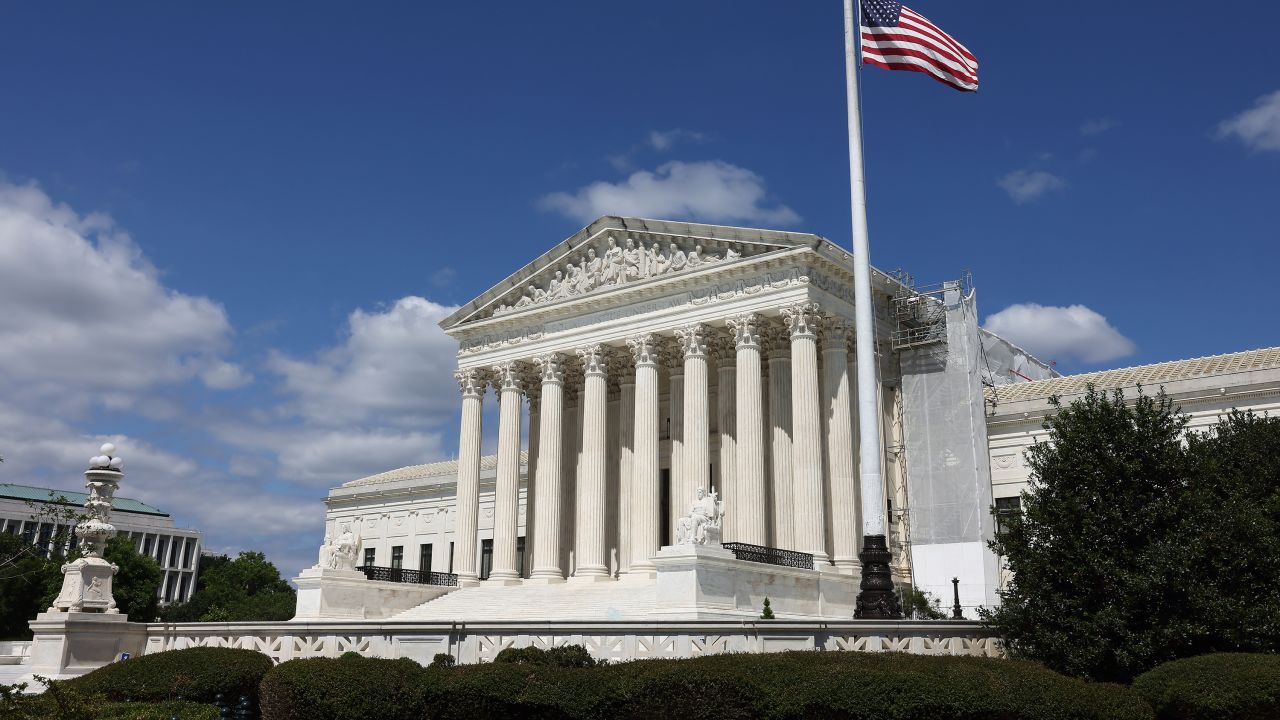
[956,613]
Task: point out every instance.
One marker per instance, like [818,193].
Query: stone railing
[615,641]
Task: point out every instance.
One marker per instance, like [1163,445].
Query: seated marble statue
[703,523]
[340,553]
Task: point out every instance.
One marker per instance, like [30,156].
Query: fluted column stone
[749,498]
[806,422]
[507,484]
[546,539]
[645,518]
[590,546]
[696,468]
[471,383]
[534,389]
[626,463]
[727,422]
[675,407]
[780,469]
[841,479]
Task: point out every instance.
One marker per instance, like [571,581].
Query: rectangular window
[664,507]
[163,550]
[520,556]
[486,558]
[424,557]
[182,588]
[397,556]
[168,590]
[450,558]
[1007,508]
[186,554]
[369,557]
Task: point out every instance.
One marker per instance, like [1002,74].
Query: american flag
[895,37]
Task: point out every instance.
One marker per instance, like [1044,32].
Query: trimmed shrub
[159,711]
[1226,686]
[443,660]
[197,674]
[346,688]
[566,656]
[61,702]
[886,686]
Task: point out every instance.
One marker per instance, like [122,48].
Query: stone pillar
[644,515]
[590,546]
[626,461]
[534,389]
[507,485]
[727,421]
[471,383]
[696,468]
[675,407]
[748,501]
[569,470]
[841,480]
[806,423]
[546,539]
[782,490]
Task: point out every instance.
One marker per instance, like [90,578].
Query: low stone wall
[614,641]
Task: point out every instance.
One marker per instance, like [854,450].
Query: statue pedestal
[70,644]
[706,582]
[86,587]
[325,594]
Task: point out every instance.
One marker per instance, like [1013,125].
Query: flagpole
[876,598]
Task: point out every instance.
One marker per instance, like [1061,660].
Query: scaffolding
[921,313]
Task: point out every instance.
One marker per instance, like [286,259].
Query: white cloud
[663,140]
[394,367]
[1097,126]
[1023,186]
[1258,127]
[1067,333]
[86,317]
[711,191]
[226,376]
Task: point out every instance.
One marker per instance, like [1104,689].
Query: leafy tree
[1141,543]
[137,582]
[921,605]
[246,588]
[22,588]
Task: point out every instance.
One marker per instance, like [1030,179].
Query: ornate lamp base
[86,587]
[876,599]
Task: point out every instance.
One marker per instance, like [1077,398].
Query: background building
[177,550]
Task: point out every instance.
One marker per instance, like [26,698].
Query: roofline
[55,493]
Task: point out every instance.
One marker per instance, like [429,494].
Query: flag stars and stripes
[895,37]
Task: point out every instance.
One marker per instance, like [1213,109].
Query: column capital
[776,340]
[746,329]
[802,319]
[595,359]
[506,376]
[835,333]
[644,348]
[692,340]
[550,368]
[471,382]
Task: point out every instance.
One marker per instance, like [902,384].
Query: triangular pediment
[615,252]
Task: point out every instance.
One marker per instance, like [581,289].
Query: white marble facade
[620,370]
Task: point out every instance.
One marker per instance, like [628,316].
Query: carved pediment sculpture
[614,262]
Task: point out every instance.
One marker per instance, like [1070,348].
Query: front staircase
[568,601]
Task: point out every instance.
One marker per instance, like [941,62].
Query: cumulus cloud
[86,316]
[711,191]
[1024,186]
[1067,333]
[663,140]
[1258,127]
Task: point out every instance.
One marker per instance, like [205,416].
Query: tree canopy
[1141,542]
[246,588]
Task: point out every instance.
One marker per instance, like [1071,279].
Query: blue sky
[226,232]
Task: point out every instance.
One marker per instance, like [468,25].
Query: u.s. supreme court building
[640,366]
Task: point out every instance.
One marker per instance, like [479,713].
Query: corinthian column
[626,463]
[677,506]
[783,488]
[507,486]
[546,541]
[806,423]
[841,480]
[696,467]
[748,500]
[644,516]
[727,422]
[590,549]
[471,383]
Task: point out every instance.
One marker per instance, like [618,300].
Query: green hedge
[197,674]
[346,689]
[60,701]
[1226,686]
[783,685]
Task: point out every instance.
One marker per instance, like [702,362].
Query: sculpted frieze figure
[614,264]
[340,553]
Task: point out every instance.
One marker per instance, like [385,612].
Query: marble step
[569,601]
